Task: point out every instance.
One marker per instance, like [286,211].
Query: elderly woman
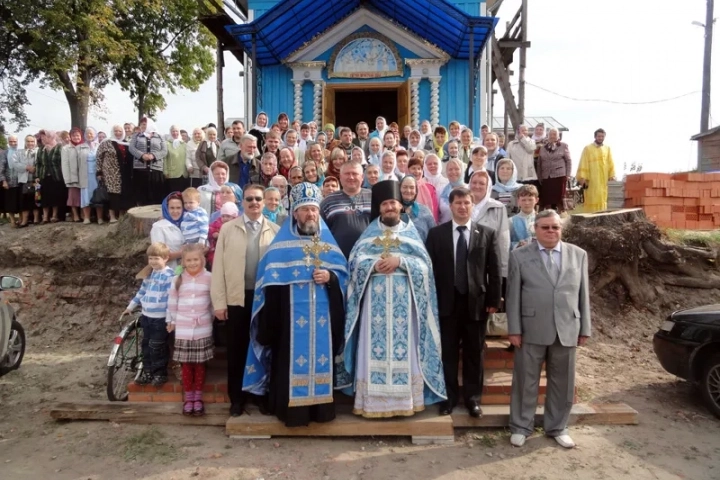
[506,185]
[174,166]
[86,194]
[454,170]
[268,169]
[210,198]
[10,197]
[207,152]
[286,162]
[491,213]
[295,176]
[281,183]
[372,176]
[74,157]
[115,170]
[195,173]
[148,150]
[427,195]
[494,152]
[23,165]
[375,150]
[389,143]
[50,177]
[405,138]
[167,230]
[554,166]
[420,215]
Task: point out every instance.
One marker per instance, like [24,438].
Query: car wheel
[16,349]
[710,384]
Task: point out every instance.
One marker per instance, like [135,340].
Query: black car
[688,345]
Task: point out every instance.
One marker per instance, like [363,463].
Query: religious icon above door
[365,55]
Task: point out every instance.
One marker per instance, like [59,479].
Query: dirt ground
[70,310]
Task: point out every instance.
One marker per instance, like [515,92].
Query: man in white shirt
[468,290]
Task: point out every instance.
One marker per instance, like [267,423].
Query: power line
[46,95]
[612,101]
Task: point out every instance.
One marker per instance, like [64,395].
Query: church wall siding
[454,95]
[307,99]
[277,91]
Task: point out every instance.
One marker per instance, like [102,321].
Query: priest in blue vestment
[298,316]
[392,358]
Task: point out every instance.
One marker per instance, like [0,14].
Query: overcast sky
[619,50]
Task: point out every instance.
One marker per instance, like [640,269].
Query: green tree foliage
[79,46]
[68,45]
[174,50]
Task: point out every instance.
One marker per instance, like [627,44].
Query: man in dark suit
[468,289]
[362,138]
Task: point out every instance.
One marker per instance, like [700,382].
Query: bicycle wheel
[125,362]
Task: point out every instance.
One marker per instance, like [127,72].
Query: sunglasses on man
[253,199]
[550,227]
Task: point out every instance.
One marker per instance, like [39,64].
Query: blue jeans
[154,345]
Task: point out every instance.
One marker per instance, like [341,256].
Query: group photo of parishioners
[346,266]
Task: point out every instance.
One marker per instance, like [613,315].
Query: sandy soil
[71,319]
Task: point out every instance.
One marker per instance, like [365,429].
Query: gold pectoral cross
[313,250]
[387,241]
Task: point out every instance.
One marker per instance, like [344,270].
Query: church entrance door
[348,104]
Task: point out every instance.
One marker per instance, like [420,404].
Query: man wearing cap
[392,359]
[298,316]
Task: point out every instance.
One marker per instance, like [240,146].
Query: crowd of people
[337,259]
[363,264]
[56,176]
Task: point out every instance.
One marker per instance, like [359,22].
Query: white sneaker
[517,439]
[565,441]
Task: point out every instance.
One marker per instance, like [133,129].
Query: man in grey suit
[548,311]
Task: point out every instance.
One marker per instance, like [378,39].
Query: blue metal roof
[292,23]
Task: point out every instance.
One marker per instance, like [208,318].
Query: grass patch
[694,238]
[148,446]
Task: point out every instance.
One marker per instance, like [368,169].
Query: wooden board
[423,424]
[581,414]
[142,413]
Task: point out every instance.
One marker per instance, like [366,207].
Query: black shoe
[236,409]
[474,409]
[144,379]
[261,403]
[159,380]
[445,409]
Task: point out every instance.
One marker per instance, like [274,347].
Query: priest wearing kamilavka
[298,316]
[392,351]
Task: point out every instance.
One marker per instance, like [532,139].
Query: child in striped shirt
[196,222]
[190,315]
[152,298]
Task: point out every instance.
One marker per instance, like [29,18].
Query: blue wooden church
[342,61]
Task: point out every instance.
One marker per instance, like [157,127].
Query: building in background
[343,61]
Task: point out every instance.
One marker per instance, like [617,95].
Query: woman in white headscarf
[148,150]
[194,172]
[115,170]
[388,164]
[491,213]
[174,166]
[260,129]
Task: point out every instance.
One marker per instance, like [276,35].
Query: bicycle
[125,362]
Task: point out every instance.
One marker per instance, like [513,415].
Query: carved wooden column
[298,100]
[434,100]
[317,101]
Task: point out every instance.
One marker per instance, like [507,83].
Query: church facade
[343,61]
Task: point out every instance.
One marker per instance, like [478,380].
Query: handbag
[28,188]
[100,195]
[497,325]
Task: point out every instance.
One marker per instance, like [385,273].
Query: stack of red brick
[687,201]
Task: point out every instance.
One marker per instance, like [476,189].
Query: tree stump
[139,220]
[624,246]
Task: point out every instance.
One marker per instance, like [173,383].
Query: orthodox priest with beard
[298,316]
[392,358]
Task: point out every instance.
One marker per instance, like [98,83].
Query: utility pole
[705,109]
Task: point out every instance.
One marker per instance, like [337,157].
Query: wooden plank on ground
[142,413]
[423,424]
[498,416]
